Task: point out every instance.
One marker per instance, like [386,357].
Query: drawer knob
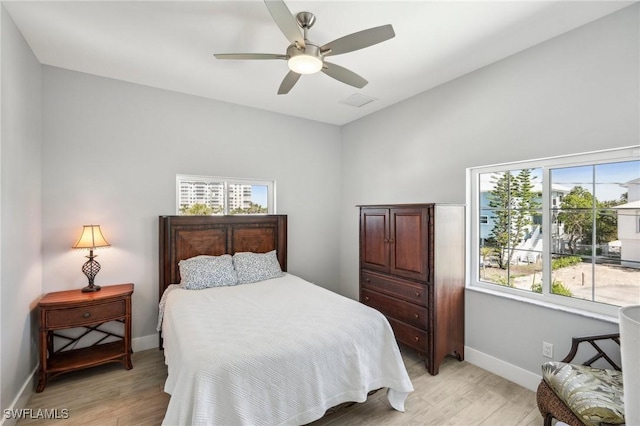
[367,280]
[416,338]
[416,316]
[417,294]
[366,298]
[86,314]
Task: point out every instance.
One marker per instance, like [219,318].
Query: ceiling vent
[357,100]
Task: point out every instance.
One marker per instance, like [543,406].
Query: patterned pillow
[253,267]
[594,394]
[207,271]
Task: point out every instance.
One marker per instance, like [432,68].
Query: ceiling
[170,45]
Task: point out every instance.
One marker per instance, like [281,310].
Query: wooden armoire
[412,269]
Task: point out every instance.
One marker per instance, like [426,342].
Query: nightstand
[73,309]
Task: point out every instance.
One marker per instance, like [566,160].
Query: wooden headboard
[182,237]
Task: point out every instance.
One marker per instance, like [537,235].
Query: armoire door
[374,241]
[409,242]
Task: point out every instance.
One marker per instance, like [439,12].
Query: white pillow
[207,271]
[253,267]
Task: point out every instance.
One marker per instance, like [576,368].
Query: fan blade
[344,75]
[289,81]
[285,21]
[359,40]
[249,56]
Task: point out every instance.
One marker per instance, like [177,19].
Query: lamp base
[91,268]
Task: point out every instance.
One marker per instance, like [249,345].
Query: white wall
[111,154]
[575,93]
[20,217]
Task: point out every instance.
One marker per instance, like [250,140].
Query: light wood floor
[462,394]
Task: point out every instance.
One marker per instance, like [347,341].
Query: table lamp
[91,239]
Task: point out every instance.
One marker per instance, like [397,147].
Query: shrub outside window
[209,195]
[559,230]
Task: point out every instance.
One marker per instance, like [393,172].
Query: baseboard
[518,375]
[20,400]
[145,342]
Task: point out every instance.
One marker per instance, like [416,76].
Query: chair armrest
[576,341]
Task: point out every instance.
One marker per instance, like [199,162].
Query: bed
[277,351]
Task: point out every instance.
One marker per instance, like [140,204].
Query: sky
[608,178]
[259,195]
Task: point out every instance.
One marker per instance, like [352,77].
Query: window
[207,195]
[559,230]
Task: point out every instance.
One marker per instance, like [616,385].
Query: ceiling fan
[306,57]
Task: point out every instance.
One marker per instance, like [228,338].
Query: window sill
[544,304]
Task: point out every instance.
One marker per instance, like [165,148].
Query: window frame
[227,181]
[546,298]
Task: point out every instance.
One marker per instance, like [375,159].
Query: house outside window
[210,195]
[559,231]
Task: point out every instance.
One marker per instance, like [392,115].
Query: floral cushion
[253,267]
[207,271]
[595,395]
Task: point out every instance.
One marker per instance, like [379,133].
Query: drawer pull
[417,294]
[366,298]
[416,316]
[86,314]
[367,280]
[416,338]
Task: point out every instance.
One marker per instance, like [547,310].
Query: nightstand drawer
[73,317]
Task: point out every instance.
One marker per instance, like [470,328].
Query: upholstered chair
[581,394]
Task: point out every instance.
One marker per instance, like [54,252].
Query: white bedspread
[276,352]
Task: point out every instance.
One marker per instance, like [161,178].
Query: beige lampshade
[91,238]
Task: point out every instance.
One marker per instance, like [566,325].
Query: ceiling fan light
[304,64]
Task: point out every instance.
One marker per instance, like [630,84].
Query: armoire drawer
[410,336]
[395,308]
[412,292]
